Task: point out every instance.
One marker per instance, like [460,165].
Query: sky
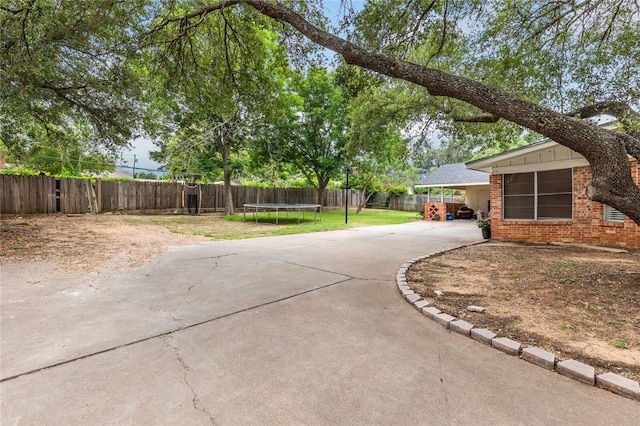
[140,148]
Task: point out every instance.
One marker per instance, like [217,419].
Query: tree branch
[626,116]
[483,118]
[12,11]
[612,108]
[605,150]
[443,34]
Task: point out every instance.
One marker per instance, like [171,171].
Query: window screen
[519,196]
[555,195]
[540,195]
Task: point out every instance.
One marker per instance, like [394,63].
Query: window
[540,195]
[519,196]
[612,215]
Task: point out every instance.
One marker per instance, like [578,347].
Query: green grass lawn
[327,221]
[233,227]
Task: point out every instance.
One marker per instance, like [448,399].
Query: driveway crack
[318,269]
[151,308]
[197,403]
[166,333]
[444,388]
[190,289]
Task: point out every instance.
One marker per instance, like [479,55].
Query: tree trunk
[320,196]
[323,182]
[362,200]
[228,195]
[606,151]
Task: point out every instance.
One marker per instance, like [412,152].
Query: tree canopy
[309,129]
[388,35]
[66,65]
[212,83]
[479,70]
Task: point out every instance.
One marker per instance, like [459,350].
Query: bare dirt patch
[575,302]
[87,242]
[84,243]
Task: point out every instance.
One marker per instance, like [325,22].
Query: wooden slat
[36,194]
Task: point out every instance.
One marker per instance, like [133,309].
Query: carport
[474,185]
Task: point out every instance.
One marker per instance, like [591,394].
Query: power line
[140,168]
[117,166]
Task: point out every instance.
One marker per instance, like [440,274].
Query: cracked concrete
[188,293]
[301,329]
[197,405]
[443,384]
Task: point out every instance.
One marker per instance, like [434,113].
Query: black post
[346,199]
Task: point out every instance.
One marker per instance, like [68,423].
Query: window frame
[611,214]
[536,194]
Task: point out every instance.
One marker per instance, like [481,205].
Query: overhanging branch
[626,116]
[483,118]
[606,151]
[612,108]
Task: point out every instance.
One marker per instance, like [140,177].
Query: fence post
[43,194]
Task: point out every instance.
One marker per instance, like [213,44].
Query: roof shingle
[454,174]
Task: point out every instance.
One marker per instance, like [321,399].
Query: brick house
[537,194]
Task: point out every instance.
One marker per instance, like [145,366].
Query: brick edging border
[537,356]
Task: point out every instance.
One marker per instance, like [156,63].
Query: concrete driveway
[302,329]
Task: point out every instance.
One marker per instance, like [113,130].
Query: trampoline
[277,208]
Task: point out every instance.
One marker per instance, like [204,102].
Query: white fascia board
[551,165]
[487,164]
[451,185]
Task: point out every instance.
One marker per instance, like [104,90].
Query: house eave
[555,165]
[486,164]
[451,185]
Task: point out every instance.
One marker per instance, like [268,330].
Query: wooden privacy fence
[44,194]
[416,202]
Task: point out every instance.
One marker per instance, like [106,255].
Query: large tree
[598,31]
[309,128]
[65,69]
[377,144]
[213,82]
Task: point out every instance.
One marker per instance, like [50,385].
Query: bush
[21,172]
[484,224]
[397,190]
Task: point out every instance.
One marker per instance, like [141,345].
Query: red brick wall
[431,209]
[586,227]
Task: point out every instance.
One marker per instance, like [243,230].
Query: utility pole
[135,159]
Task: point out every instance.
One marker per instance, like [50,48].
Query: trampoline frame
[277,207]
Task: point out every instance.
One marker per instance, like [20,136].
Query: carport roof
[454,175]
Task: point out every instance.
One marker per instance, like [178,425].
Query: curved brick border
[570,368]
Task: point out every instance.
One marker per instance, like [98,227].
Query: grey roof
[454,174]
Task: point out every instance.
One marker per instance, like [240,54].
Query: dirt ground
[85,242]
[575,302]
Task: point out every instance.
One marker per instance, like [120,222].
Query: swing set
[191,198]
